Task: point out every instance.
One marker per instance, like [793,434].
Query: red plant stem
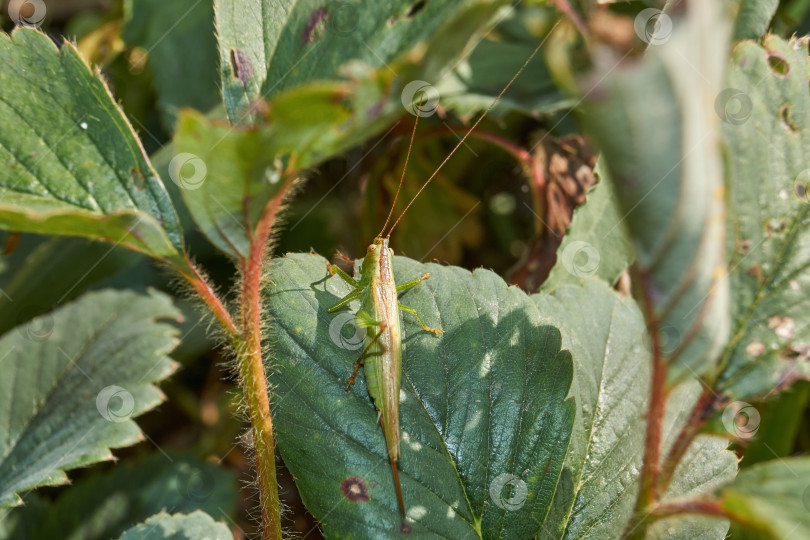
[650,470]
[204,290]
[701,412]
[710,508]
[637,528]
[252,373]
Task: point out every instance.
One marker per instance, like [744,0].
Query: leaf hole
[800,189]
[778,64]
[416,8]
[784,114]
[137,178]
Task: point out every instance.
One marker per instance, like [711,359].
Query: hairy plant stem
[650,470]
[209,296]
[246,339]
[252,373]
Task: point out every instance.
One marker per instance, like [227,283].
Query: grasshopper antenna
[404,168]
[475,125]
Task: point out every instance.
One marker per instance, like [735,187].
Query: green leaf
[480,77]
[597,493]
[67,265]
[768,140]
[179,40]
[753,18]
[267,46]
[195,526]
[103,505]
[666,166]
[772,498]
[707,465]
[69,161]
[483,406]
[611,374]
[596,243]
[72,381]
[228,191]
[334,79]
[781,420]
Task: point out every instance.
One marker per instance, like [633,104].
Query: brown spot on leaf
[783,327]
[756,272]
[406,528]
[755,348]
[354,489]
[241,67]
[12,242]
[137,178]
[315,26]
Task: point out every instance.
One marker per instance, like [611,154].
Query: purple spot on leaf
[241,66]
[314,26]
[354,489]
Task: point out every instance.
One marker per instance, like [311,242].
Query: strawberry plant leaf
[105,504]
[768,176]
[69,161]
[667,170]
[771,498]
[73,380]
[706,465]
[162,526]
[480,77]
[268,46]
[316,111]
[596,243]
[178,38]
[753,18]
[599,485]
[68,265]
[485,423]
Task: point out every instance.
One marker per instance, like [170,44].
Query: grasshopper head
[374,252]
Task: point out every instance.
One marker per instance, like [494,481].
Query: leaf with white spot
[69,160]
[769,216]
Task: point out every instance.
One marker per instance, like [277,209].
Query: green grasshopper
[377,291]
[382,355]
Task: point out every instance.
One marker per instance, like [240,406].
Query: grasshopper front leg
[349,298]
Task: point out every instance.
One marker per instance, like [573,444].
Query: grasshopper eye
[371,248]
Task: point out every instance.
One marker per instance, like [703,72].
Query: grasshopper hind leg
[381,326]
